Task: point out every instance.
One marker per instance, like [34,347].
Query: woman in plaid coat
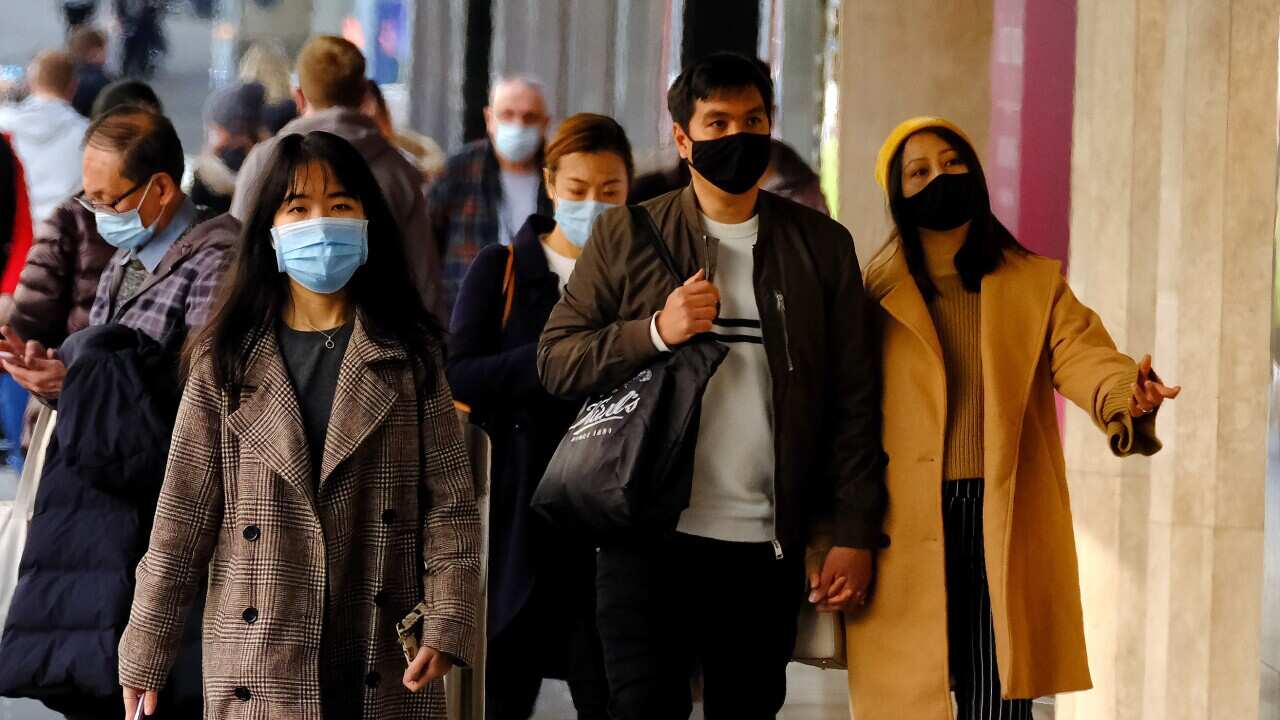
[317,473]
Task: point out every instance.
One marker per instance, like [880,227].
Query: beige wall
[1171,241]
[898,59]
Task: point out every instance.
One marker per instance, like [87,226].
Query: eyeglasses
[96,207]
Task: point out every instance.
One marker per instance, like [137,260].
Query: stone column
[899,59]
[1173,202]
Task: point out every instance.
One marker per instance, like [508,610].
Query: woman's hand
[431,664]
[845,581]
[1149,393]
[150,699]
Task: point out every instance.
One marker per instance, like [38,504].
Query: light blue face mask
[123,230]
[322,254]
[575,218]
[517,143]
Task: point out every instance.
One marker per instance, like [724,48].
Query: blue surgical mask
[575,218]
[322,254]
[517,143]
[124,230]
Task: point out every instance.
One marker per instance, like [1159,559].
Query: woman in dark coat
[541,585]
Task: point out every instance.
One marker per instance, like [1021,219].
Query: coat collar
[269,419]
[889,280]
[531,259]
[705,246]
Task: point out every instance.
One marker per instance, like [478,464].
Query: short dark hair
[590,133]
[715,74]
[84,41]
[145,140]
[125,92]
[988,239]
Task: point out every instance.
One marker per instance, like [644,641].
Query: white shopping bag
[15,517]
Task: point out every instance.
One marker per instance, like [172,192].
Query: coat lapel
[362,400]
[269,420]
[888,277]
[1015,315]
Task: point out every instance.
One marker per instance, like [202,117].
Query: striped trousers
[970,628]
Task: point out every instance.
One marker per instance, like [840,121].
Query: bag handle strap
[641,217]
[508,286]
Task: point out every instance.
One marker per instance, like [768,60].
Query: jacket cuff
[1127,435]
[144,664]
[635,343]
[862,533]
[451,637]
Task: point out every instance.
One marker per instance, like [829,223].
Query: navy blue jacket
[495,372]
[92,524]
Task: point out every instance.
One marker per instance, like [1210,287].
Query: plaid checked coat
[180,294]
[463,208]
[306,584]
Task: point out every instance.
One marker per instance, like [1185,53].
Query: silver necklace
[328,336]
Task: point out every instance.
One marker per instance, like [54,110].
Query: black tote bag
[625,467]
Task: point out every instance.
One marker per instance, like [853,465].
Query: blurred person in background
[541,583]
[419,149]
[233,125]
[492,185]
[792,178]
[331,75]
[46,132]
[88,48]
[143,41]
[267,64]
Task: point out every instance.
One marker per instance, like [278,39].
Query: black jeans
[669,607]
[513,675]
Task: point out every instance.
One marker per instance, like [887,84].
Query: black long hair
[987,241]
[255,292]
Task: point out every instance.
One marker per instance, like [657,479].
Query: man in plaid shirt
[165,273]
[491,186]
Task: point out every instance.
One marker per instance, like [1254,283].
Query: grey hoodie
[46,136]
[400,181]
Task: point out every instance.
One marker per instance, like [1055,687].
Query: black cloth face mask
[233,158]
[733,163]
[944,204]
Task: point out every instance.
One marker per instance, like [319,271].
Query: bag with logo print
[626,464]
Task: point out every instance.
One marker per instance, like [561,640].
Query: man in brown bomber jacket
[789,438]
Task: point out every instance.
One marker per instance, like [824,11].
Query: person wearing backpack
[541,620]
[788,438]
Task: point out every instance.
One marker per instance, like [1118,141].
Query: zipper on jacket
[786,335]
[777,546]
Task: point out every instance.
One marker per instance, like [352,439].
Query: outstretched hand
[1149,393]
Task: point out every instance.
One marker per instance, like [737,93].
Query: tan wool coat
[1036,338]
[306,584]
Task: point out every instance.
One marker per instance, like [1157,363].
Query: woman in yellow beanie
[978,591]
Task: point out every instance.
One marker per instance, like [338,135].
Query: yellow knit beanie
[900,135]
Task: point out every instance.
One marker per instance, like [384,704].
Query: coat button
[372,679]
[380,599]
[243,694]
[250,615]
[252,533]
[388,517]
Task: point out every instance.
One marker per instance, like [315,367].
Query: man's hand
[844,582]
[150,699]
[35,367]
[689,311]
[431,664]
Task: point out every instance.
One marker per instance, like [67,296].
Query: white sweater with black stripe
[733,468]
